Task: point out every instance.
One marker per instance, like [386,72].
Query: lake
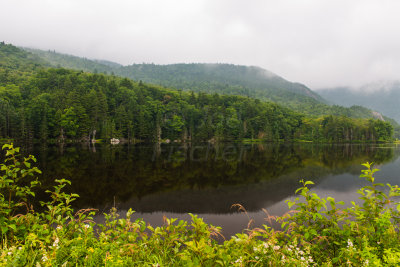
[207,179]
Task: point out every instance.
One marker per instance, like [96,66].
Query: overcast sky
[316,42]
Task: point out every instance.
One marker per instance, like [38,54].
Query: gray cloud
[317,42]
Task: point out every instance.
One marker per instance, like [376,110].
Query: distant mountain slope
[16,63]
[222,78]
[230,79]
[211,78]
[74,62]
[383,97]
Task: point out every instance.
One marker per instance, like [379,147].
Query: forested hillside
[216,78]
[223,78]
[209,78]
[74,62]
[66,104]
[16,64]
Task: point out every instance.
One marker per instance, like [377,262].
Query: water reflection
[207,179]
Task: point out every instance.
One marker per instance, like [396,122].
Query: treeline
[65,104]
[344,129]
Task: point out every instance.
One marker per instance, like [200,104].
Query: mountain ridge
[250,81]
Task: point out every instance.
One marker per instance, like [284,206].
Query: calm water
[206,179]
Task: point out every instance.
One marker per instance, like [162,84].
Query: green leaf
[13,226]
[398,207]
[367,164]
[307,235]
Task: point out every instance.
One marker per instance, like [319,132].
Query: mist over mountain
[73,62]
[380,96]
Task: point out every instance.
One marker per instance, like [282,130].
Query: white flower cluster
[240,260]
[44,258]
[350,245]
[300,254]
[55,243]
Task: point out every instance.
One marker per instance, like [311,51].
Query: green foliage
[16,64]
[313,233]
[64,104]
[68,122]
[15,190]
[73,62]
[231,79]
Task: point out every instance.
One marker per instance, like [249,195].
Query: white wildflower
[55,243]
[239,260]
[349,243]
[256,257]
[277,247]
[87,226]
[302,258]
[44,258]
[9,253]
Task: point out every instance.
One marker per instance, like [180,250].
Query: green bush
[316,231]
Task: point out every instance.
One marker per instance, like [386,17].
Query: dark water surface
[206,179]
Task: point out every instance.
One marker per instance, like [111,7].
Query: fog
[316,42]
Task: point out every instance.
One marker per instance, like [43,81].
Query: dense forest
[248,81]
[41,103]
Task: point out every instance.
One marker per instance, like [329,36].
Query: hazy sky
[316,42]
